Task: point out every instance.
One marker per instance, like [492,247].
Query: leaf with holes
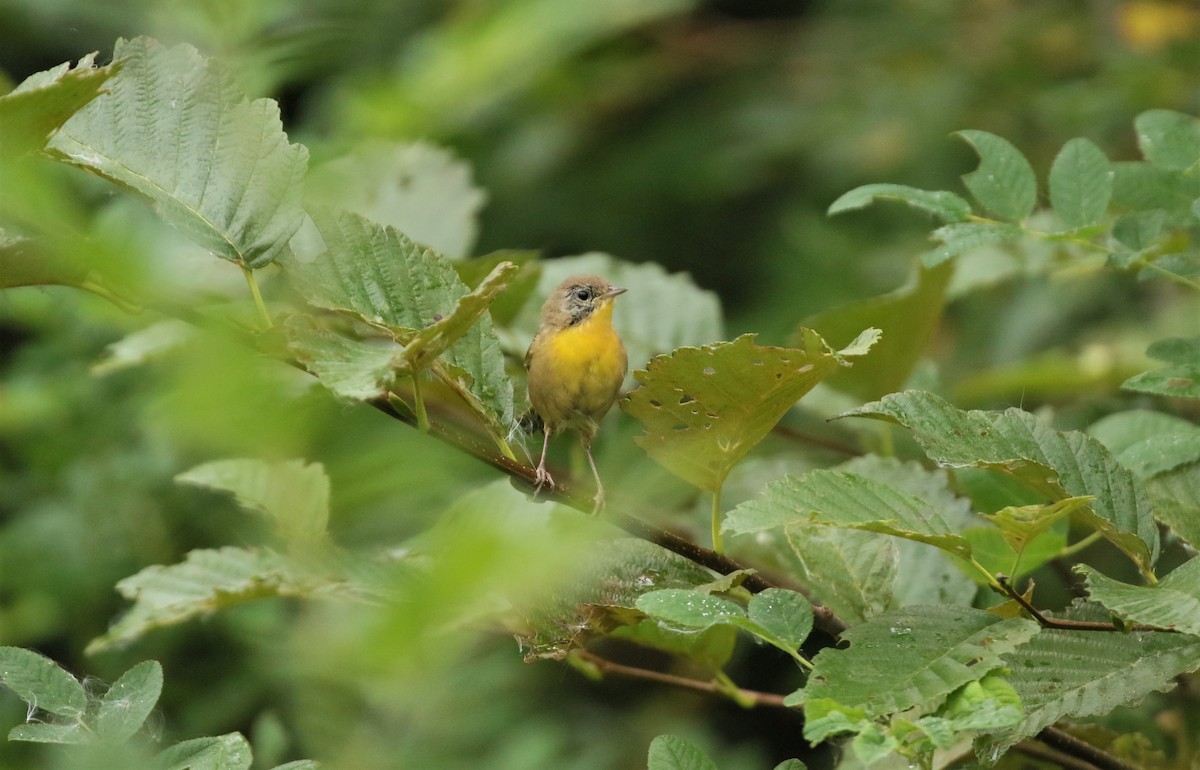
[1173,603]
[1057,464]
[174,128]
[704,408]
[912,657]
[1004,182]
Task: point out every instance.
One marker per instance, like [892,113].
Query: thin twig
[1069,744]
[1066,624]
[606,666]
[1047,754]
[823,617]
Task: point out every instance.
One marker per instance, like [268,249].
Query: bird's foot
[598,502]
[541,478]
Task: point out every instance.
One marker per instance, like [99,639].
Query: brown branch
[1066,624]
[1068,744]
[606,666]
[1047,754]
[474,445]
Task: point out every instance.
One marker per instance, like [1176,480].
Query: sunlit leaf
[420,189]
[1020,524]
[907,318]
[705,408]
[670,752]
[45,100]
[41,682]
[129,701]
[986,704]
[1061,673]
[1055,463]
[944,205]
[1004,182]
[1173,603]
[1081,182]
[1168,139]
[291,492]
[174,128]
[912,657]
[225,752]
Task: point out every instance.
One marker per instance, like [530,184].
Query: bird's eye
[583,295]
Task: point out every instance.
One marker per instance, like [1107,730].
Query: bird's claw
[541,478]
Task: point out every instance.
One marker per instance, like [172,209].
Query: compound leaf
[42,683]
[127,704]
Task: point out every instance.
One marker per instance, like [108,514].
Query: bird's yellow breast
[575,373]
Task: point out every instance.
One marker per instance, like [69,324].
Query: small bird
[576,365]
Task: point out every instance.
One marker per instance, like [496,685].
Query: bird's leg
[541,476]
[598,500]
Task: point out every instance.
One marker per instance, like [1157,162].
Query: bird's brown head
[576,299]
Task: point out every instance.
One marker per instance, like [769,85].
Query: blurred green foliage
[705,136]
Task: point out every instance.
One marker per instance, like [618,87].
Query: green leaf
[962,237]
[1173,603]
[1020,524]
[670,752]
[912,657]
[705,408]
[1004,183]
[851,572]
[380,275]
[127,704]
[834,498]
[1149,443]
[1176,498]
[691,609]
[1137,230]
[873,744]
[791,764]
[175,129]
[946,206]
[1060,674]
[785,614]
[1180,381]
[1056,464]
[295,495]
[907,318]
[45,100]
[225,752]
[1141,186]
[144,345]
[299,764]
[357,369]
[987,704]
[1168,139]
[42,683]
[420,189]
[664,310]
[207,580]
[507,306]
[824,717]
[51,732]
[1081,183]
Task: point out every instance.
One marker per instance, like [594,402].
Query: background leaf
[1168,139]
[1081,183]
[129,701]
[912,657]
[175,129]
[294,494]
[42,683]
[961,238]
[704,408]
[907,317]
[225,752]
[1173,603]
[944,205]
[420,189]
[670,752]
[1004,182]
[1016,442]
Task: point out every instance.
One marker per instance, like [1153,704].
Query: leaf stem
[1076,547]
[721,685]
[1146,264]
[419,404]
[718,546]
[258,300]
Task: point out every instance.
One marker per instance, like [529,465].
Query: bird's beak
[612,293]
